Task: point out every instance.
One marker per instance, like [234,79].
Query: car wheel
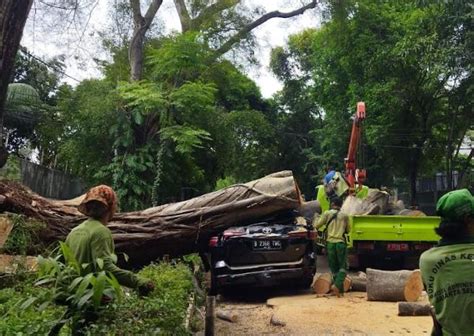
[319,250]
[304,283]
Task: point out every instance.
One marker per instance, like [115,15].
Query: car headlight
[220,264]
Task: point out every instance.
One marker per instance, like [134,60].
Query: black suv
[262,255]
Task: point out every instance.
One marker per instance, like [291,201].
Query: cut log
[322,283]
[174,229]
[380,198]
[227,316]
[414,309]
[359,282]
[309,209]
[276,321]
[393,285]
[356,206]
[347,284]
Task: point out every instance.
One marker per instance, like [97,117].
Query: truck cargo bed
[393,228]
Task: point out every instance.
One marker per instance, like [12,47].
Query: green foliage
[404,61]
[43,77]
[11,171]
[30,307]
[185,138]
[179,59]
[131,173]
[253,144]
[86,115]
[24,237]
[67,284]
[175,131]
[225,182]
[161,313]
[22,315]
[72,285]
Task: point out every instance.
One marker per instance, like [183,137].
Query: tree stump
[393,285]
[414,309]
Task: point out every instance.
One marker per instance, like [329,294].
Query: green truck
[385,240]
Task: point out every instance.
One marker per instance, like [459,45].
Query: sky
[79,46]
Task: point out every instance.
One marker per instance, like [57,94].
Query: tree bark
[141,24]
[183,14]
[322,283]
[174,229]
[393,285]
[13,15]
[359,282]
[414,309]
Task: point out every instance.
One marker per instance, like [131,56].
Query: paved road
[306,314]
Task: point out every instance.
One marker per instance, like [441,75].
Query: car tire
[304,283]
[319,250]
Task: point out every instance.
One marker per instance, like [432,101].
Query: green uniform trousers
[337,253]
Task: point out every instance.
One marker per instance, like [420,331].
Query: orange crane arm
[354,175]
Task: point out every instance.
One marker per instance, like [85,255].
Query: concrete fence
[50,183]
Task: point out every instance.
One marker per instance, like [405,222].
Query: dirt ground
[305,313]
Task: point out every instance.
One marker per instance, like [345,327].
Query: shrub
[29,309]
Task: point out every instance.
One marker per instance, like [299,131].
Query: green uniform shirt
[91,240]
[337,227]
[448,275]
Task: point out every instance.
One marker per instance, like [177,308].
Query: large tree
[13,15]
[408,63]
[221,22]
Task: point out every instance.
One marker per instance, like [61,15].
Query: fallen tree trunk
[393,285]
[174,229]
[414,309]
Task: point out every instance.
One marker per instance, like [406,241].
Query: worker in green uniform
[337,224]
[448,268]
[92,239]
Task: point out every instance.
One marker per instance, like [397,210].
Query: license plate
[266,245]
[397,247]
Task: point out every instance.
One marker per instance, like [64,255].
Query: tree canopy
[406,61]
[188,120]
